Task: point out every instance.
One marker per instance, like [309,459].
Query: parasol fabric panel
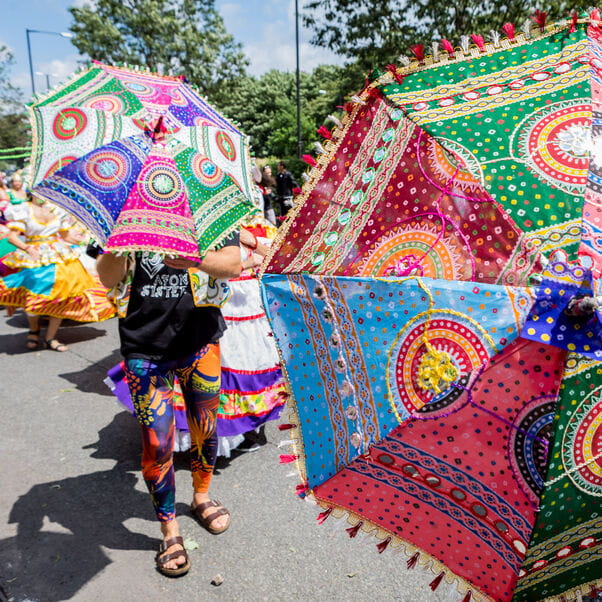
[462,483]
[394,200]
[361,354]
[565,556]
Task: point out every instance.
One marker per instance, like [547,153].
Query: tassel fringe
[434,584]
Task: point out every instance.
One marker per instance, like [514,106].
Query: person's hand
[179,263]
[33,252]
[248,239]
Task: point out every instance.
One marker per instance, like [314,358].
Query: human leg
[151,389]
[33,336]
[51,330]
[199,377]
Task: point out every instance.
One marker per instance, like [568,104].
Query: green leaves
[178,37]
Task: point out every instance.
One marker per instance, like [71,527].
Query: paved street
[77,523]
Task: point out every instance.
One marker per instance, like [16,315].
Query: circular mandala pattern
[553,142]
[139,89]
[446,161]
[106,103]
[162,186]
[528,445]
[582,441]
[417,243]
[226,145]
[462,339]
[105,170]
[57,165]
[206,171]
[69,123]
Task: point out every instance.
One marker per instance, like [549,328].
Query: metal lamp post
[299,141]
[62,34]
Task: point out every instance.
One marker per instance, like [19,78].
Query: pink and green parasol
[142,160]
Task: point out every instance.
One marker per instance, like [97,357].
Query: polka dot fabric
[119,148]
[422,293]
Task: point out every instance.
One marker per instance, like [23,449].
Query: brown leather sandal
[207,520]
[162,558]
[55,345]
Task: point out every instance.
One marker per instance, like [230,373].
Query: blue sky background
[265,28]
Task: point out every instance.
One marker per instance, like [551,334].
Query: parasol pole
[299,141]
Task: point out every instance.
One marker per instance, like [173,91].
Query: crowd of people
[178,381]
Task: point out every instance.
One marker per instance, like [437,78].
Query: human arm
[111,269]
[223,263]
[15,240]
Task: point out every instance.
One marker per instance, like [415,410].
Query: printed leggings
[151,388]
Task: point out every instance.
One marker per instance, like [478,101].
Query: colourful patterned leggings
[151,387]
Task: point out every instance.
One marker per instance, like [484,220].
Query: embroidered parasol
[142,160]
[434,298]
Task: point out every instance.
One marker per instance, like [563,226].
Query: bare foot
[219,523]
[169,530]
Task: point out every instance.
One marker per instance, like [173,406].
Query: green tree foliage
[266,107]
[373,33]
[14,125]
[177,37]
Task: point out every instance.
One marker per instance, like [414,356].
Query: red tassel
[324,132]
[297,191]
[447,46]
[594,15]
[396,76]
[418,51]
[374,92]
[288,458]
[478,41]
[540,17]
[468,596]
[309,160]
[382,546]
[354,530]
[323,515]
[411,563]
[301,489]
[434,584]
[286,427]
[574,18]
[508,29]
[284,395]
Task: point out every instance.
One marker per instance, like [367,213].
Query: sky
[265,28]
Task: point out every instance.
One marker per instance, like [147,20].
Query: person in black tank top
[164,334]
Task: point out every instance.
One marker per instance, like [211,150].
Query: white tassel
[464,43]
[355,98]
[292,474]
[335,120]
[403,60]
[579,597]
[305,177]
[435,48]
[319,148]
[527,28]
[495,38]
[286,442]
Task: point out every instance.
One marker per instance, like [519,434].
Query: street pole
[299,141]
[62,34]
[33,84]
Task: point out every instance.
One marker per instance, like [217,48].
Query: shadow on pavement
[90,379]
[69,333]
[62,525]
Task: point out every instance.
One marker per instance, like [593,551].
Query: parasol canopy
[434,298]
[142,160]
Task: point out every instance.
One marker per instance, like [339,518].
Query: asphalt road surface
[77,522]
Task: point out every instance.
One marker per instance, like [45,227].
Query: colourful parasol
[142,160]
[433,297]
